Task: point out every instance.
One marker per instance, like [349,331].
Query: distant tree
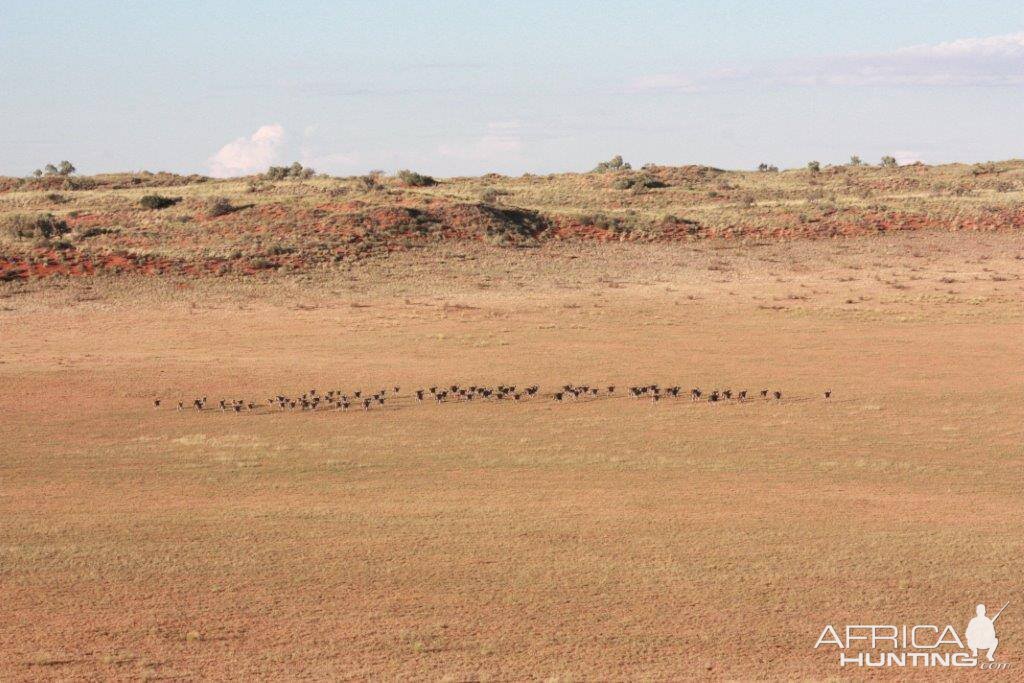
[767,168]
[38,172]
[614,164]
[889,162]
[296,170]
[63,168]
[813,166]
[855,160]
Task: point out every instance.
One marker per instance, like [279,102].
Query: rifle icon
[1000,612]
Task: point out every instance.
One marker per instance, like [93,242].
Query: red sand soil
[599,540]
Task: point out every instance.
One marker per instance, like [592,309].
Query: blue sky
[453,88]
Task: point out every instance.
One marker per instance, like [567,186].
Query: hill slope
[85,225]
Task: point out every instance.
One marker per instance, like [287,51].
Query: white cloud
[1009,45]
[992,60]
[335,162]
[502,142]
[248,155]
[906,156]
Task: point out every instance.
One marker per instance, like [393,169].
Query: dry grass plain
[610,539]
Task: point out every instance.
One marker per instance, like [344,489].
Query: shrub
[618,224]
[97,231]
[43,226]
[218,206]
[855,160]
[260,264]
[368,182]
[77,183]
[637,182]
[413,179]
[889,162]
[813,166]
[766,168]
[63,168]
[56,198]
[155,201]
[493,195]
[614,164]
[295,171]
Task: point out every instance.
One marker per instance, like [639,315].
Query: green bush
[369,182]
[637,182]
[618,224]
[63,168]
[295,171]
[492,195]
[413,179]
[155,201]
[813,166]
[42,226]
[766,168]
[889,162]
[614,164]
[78,183]
[96,231]
[218,206]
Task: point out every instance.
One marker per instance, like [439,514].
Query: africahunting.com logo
[920,645]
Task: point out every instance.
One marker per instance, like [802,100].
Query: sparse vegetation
[156,201]
[337,220]
[615,223]
[42,226]
[814,167]
[637,182]
[614,164]
[492,195]
[294,172]
[64,168]
[370,181]
[719,509]
[96,231]
[889,162]
[218,206]
[414,179]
